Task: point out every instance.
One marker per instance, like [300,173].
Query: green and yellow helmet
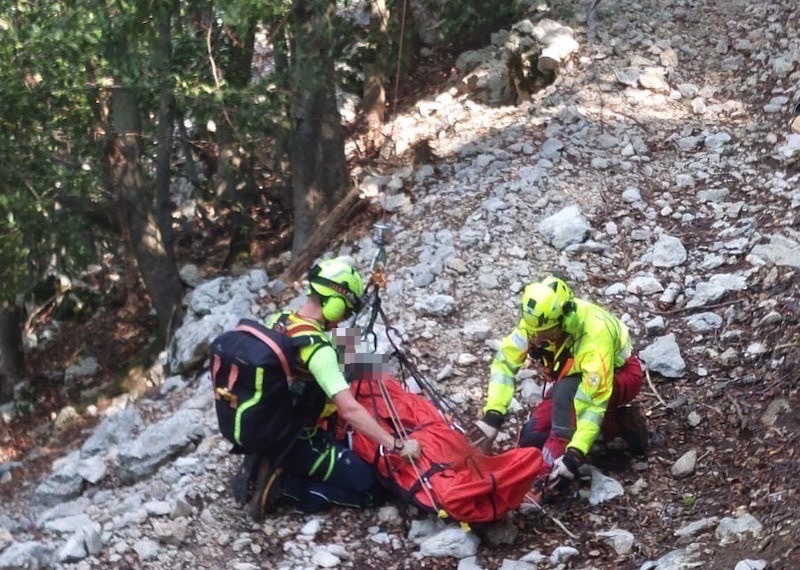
[544,303]
[339,287]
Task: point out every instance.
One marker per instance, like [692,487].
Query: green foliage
[236,12]
[355,46]
[470,23]
[44,139]
[202,85]
[58,59]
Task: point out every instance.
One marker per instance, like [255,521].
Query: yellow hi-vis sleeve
[508,359]
[604,343]
[591,400]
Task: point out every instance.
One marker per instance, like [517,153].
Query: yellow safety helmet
[545,302]
[339,287]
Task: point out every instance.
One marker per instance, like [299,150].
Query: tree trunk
[235,181]
[166,117]
[225,179]
[11,355]
[134,205]
[282,134]
[374,102]
[319,168]
[190,167]
[404,20]
[333,224]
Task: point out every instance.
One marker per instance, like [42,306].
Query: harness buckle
[225,394]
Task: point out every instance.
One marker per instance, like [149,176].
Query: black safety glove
[484,431]
[565,468]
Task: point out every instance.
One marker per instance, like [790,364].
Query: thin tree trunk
[235,181]
[374,98]
[11,354]
[134,205]
[319,169]
[374,102]
[225,179]
[190,166]
[166,117]
[282,134]
[406,48]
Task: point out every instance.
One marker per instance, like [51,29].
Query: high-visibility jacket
[317,364]
[596,344]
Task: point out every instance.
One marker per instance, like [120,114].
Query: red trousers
[552,422]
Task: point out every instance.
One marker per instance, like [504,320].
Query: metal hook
[380,238]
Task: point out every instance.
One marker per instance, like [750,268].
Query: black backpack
[259,405]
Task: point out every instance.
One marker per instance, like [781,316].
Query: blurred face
[347,338]
[542,338]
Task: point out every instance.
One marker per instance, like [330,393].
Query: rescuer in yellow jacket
[586,354]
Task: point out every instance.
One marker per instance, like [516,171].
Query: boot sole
[265,495]
[634,432]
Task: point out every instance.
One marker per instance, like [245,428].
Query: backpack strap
[295,332]
[556,361]
[272,344]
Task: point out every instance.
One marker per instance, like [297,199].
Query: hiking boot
[243,482]
[530,502]
[268,489]
[533,498]
[632,429]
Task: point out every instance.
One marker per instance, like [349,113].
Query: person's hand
[565,468]
[407,448]
[484,431]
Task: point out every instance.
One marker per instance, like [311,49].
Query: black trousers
[321,472]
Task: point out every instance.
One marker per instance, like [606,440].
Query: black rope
[442,403]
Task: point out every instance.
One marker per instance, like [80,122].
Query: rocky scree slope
[657,174]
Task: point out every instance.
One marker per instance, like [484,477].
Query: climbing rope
[399,57]
[408,366]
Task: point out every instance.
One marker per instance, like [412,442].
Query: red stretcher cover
[450,478]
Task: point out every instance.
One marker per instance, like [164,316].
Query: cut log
[334,223]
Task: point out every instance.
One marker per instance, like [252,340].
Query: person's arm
[595,357]
[508,359]
[325,368]
[362,421]
[591,398]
